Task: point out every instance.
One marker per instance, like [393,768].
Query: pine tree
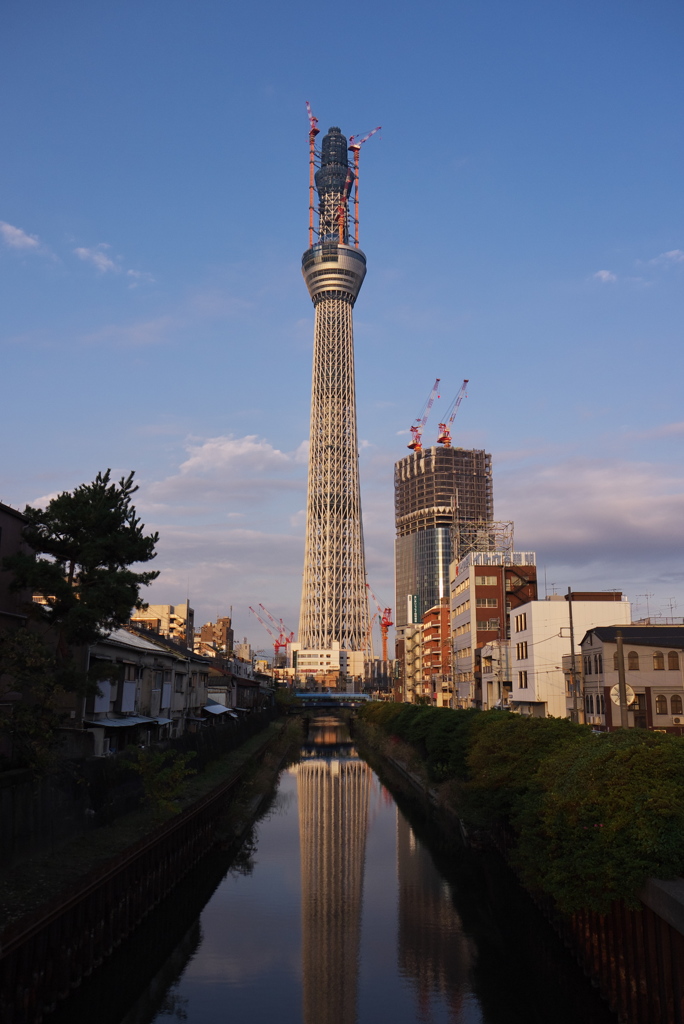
[84,544]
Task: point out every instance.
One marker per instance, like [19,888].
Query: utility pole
[573,673]
[622,685]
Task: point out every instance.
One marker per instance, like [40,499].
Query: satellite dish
[615,694]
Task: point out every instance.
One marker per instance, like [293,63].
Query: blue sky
[521,214]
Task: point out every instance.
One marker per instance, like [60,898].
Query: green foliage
[609,813]
[591,817]
[163,775]
[504,755]
[31,698]
[84,543]
[286,699]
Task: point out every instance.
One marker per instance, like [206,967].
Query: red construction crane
[313,132]
[285,636]
[445,428]
[419,425]
[355,148]
[385,621]
[281,639]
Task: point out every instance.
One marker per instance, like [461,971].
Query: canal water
[346,906]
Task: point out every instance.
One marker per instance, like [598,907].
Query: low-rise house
[540,636]
[654,671]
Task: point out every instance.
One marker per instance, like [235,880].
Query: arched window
[676,704]
[661,704]
[591,703]
[633,661]
[658,661]
[615,661]
[602,705]
[673,661]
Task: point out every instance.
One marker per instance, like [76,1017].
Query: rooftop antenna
[648,606]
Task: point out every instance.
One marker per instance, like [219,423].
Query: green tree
[609,814]
[84,544]
[30,698]
[163,775]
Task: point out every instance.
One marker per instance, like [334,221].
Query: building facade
[540,636]
[176,621]
[434,489]
[654,673]
[486,589]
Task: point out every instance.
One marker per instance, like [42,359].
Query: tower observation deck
[334,603]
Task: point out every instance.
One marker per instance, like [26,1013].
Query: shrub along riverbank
[590,817]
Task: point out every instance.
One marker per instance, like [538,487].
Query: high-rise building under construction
[334,608]
[435,490]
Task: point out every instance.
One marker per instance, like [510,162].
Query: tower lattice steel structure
[334,597]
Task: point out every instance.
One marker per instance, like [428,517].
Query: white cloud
[605,275]
[230,469]
[670,258]
[139,277]
[15,238]
[579,511]
[99,258]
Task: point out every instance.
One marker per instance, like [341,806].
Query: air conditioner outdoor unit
[676,721]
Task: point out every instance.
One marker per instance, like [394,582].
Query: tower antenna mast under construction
[334,608]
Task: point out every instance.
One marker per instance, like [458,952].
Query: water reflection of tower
[333,817]
[433,950]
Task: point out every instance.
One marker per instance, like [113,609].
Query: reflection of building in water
[433,951]
[333,817]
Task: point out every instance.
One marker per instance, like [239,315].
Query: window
[521,650]
[600,704]
[522,680]
[615,661]
[633,661]
[587,664]
[486,581]
[673,661]
[463,607]
[661,704]
[590,703]
[598,664]
[521,622]
[658,661]
[462,586]
[487,602]
[639,702]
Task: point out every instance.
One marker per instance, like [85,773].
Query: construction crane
[419,425]
[445,428]
[355,148]
[313,132]
[385,621]
[280,640]
[286,636]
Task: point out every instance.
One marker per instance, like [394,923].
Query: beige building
[176,621]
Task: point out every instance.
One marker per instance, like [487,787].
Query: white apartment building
[329,662]
[540,637]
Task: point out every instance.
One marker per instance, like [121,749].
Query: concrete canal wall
[44,957]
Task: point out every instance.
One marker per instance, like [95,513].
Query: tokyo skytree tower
[334,595]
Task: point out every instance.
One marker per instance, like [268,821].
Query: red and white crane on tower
[445,428]
[355,145]
[282,638]
[418,427]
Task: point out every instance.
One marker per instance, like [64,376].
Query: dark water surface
[350,908]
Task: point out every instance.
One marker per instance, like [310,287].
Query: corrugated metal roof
[123,638]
